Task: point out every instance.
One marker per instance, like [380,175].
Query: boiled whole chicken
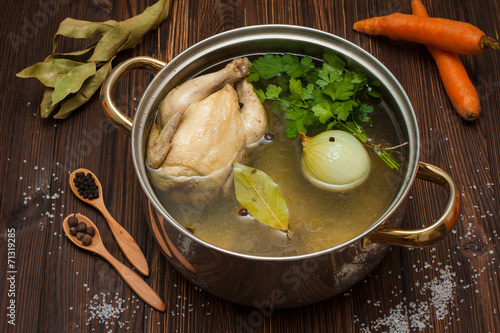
[202,127]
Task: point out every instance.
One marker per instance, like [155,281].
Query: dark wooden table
[56,287]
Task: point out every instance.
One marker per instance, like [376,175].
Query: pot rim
[299,33]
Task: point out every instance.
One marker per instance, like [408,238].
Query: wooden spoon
[141,288]
[125,241]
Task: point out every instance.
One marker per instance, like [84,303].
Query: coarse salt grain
[416,315]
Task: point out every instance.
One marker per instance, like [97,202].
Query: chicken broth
[318,219]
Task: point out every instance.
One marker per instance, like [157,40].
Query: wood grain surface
[56,287]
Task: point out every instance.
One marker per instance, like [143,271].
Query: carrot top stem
[486,42]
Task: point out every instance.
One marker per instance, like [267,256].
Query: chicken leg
[253,114]
[199,88]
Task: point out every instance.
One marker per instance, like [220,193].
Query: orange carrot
[460,90]
[444,34]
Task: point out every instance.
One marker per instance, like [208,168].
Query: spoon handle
[138,285]
[126,243]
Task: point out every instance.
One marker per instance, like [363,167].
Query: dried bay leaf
[127,34]
[71,82]
[46,106]
[72,78]
[81,29]
[260,195]
[80,56]
[148,20]
[88,89]
[110,43]
[49,73]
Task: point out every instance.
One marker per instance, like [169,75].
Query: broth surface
[318,219]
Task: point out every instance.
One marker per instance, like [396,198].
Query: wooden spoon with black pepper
[138,285]
[88,193]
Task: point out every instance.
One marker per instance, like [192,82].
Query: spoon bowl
[125,241]
[141,288]
[97,245]
[96,202]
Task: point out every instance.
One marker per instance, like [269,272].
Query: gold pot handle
[435,232]
[119,119]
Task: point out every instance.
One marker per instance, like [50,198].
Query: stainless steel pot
[277,281]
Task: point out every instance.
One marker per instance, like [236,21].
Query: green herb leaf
[362,114]
[273,92]
[300,119]
[252,76]
[297,68]
[307,93]
[296,88]
[258,193]
[343,109]
[307,64]
[49,73]
[81,29]
[71,82]
[88,89]
[339,90]
[325,78]
[323,112]
[261,94]
[295,113]
[268,66]
[333,64]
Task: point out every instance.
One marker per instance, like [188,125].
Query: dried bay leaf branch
[88,89]
[49,73]
[81,55]
[110,44]
[71,82]
[130,32]
[81,29]
[148,20]
[72,78]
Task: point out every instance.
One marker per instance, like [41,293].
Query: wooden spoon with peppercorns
[87,188]
[141,288]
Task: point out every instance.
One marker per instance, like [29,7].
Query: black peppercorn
[80,235]
[243,212]
[87,240]
[86,186]
[72,221]
[190,230]
[269,137]
[81,227]
[73,231]
[90,231]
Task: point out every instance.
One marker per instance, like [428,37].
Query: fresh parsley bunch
[316,97]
